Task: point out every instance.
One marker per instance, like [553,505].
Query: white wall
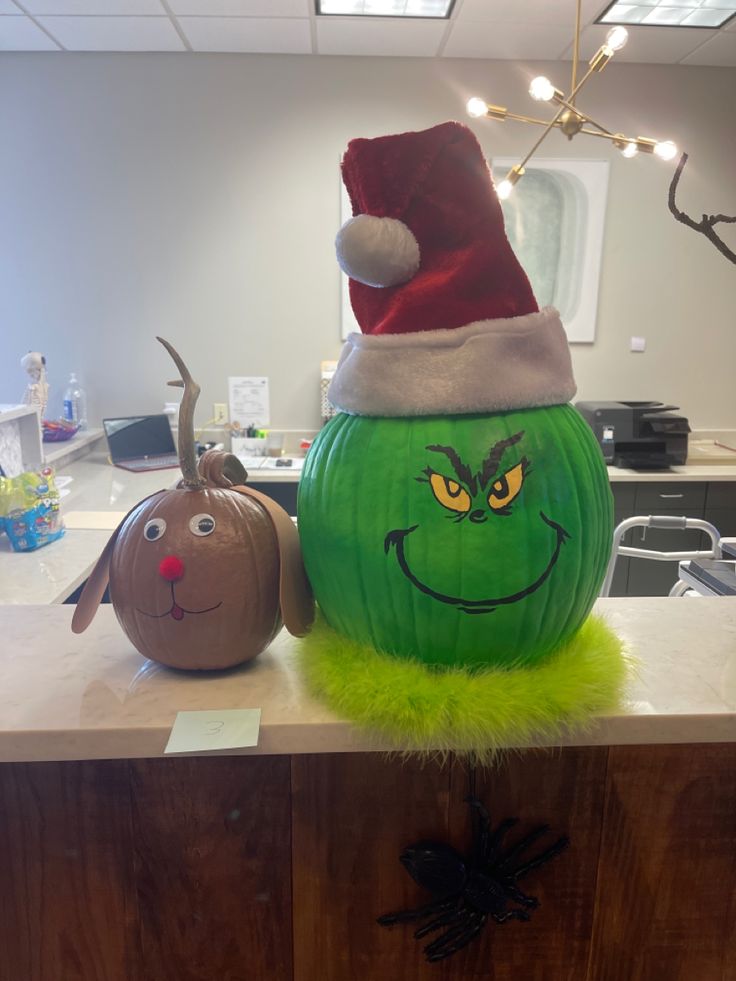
[196,196]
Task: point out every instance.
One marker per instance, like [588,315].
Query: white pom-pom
[377,251]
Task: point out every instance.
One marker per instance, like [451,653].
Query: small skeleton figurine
[37,390]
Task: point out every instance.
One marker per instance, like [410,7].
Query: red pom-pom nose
[171,568]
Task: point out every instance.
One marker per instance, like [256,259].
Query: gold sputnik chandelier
[569,118]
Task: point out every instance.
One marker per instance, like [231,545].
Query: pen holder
[248,446]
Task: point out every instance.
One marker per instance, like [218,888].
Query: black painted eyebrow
[462,470]
[490,464]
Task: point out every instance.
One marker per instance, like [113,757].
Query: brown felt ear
[297,603]
[94,588]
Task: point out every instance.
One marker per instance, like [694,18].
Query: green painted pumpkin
[477,540]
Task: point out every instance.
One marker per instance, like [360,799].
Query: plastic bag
[29,510]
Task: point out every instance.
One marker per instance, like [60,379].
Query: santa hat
[449,321]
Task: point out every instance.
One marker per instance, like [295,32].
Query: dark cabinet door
[623,507]
[715,501]
[283,492]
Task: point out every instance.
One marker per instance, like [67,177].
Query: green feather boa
[419,709]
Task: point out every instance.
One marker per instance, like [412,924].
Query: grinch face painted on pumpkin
[458,514]
[472,540]
[489,492]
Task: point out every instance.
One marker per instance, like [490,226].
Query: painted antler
[187,453]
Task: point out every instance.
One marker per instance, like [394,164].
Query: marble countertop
[52,573]
[690,473]
[99,494]
[92,696]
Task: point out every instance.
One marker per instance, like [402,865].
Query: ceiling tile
[720,50]
[376,36]
[648,45]
[96,7]
[260,35]
[8,7]
[506,42]
[114,33]
[536,12]
[21,34]
[241,8]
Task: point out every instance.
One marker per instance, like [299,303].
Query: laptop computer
[141,442]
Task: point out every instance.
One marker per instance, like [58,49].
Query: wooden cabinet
[275,868]
[715,501]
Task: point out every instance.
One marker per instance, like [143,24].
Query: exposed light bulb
[541,89]
[476,107]
[504,190]
[630,150]
[666,150]
[617,38]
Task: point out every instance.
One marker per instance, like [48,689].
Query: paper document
[249,401]
[196,732]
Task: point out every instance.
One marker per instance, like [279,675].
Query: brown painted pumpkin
[201,575]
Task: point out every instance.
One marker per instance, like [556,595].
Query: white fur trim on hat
[377,251]
[487,366]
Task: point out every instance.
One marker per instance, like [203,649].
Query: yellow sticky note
[195,732]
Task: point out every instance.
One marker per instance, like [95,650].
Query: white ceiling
[498,29]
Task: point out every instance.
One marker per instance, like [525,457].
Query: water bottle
[75,403]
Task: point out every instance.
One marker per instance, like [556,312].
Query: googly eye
[202,525]
[154,529]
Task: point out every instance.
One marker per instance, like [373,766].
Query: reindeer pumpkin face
[201,575]
[194,578]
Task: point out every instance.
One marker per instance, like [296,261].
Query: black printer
[638,435]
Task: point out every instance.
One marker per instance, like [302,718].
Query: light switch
[638,344]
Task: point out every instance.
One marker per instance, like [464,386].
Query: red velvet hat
[449,321]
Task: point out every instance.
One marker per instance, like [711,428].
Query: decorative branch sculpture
[707,222]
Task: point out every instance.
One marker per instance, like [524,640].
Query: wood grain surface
[564,789]
[67,892]
[213,868]
[666,899]
[270,868]
[352,815]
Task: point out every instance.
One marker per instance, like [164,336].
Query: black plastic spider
[468,891]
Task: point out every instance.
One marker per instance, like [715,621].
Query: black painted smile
[396,538]
[176,611]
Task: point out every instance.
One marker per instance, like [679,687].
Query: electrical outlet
[220,413]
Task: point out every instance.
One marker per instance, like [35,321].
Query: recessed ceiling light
[385,8]
[669,13]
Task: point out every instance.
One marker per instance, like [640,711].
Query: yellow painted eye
[449,493]
[504,489]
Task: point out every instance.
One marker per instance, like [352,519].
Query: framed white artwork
[555,220]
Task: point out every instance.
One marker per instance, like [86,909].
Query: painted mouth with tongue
[177,612]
